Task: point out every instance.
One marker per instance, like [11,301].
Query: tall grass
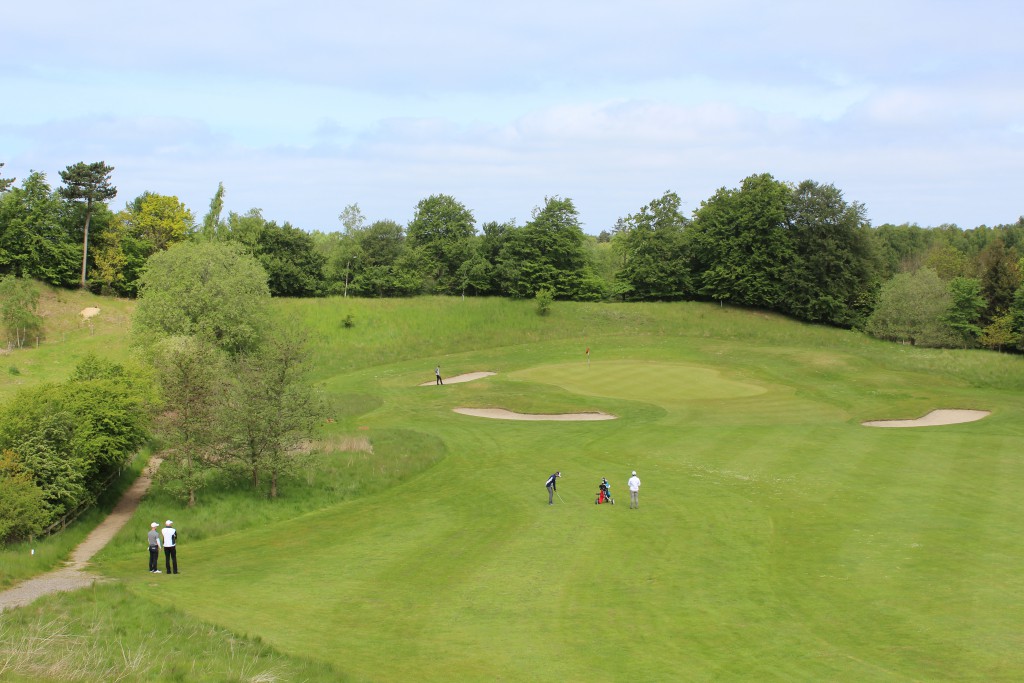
[106,634]
[68,338]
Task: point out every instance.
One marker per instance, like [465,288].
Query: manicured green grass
[777,538]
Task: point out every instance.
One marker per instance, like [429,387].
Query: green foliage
[147,225]
[269,410]
[193,378]
[205,289]
[23,508]
[19,305]
[91,183]
[71,437]
[1000,277]
[651,246]
[1017,317]
[34,242]
[832,272]
[1000,334]
[213,227]
[5,183]
[740,245]
[544,298]
[912,307]
[547,253]
[348,321]
[967,304]
[288,254]
[443,228]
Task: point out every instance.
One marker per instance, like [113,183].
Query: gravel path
[73,574]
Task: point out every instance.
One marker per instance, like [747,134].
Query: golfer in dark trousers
[170,535]
[552,487]
[154,547]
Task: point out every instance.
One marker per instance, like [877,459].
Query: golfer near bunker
[663,383]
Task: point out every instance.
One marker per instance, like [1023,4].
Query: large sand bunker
[89,312]
[466,377]
[502,414]
[933,419]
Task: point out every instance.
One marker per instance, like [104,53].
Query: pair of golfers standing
[633,484]
[168,538]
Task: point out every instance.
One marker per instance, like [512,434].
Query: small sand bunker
[933,419]
[89,312]
[502,414]
[467,377]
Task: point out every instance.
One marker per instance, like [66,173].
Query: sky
[301,108]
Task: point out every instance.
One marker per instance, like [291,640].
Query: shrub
[544,299]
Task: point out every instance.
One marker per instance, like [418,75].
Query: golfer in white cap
[170,535]
[634,491]
[154,547]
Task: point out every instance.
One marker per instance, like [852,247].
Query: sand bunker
[933,419]
[502,414]
[89,312]
[467,377]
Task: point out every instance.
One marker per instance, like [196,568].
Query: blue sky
[915,109]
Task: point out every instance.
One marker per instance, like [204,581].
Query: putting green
[661,383]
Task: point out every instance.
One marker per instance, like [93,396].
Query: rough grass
[67,338]
[105,634]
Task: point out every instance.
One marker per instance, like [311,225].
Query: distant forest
[800,249]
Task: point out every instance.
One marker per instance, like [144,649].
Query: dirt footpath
[73,574]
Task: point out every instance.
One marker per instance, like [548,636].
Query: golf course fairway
[776,538]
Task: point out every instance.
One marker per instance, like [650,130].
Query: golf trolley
[604,493]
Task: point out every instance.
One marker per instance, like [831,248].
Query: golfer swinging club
[552,487]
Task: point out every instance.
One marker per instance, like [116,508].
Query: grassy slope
[777,538]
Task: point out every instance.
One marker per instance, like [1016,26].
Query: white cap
[154,525]
[170,523]
[634,474]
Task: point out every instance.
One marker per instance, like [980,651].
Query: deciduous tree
[213,228]
[206,289]
[739,243]
[548,253]
[911,307]
[832,268]
[34,242]
[967,304]
[19,305]
[192,378]
[652,252]
[5,183]
[1000,277]
[443,228]
[150,223]
[271,409]
[23,508]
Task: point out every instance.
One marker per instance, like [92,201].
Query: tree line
[800,249]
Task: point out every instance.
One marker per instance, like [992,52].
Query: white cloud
[913,107]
